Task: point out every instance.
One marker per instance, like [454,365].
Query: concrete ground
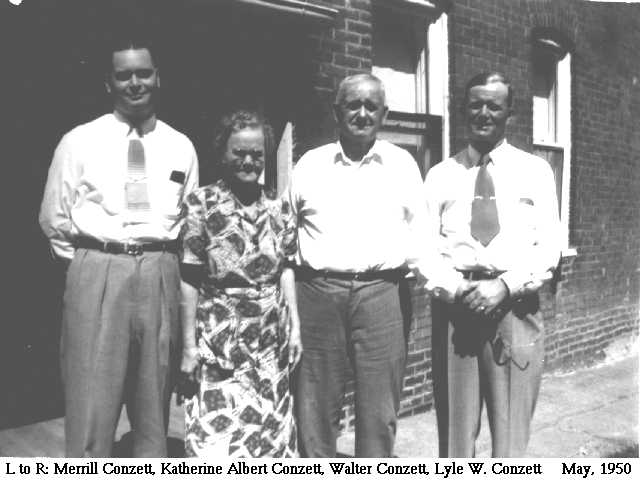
[591,412]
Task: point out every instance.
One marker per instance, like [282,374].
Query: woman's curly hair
[239,120]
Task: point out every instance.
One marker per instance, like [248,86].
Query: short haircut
[485,78]
[127,43]
[354,79]
[239,120]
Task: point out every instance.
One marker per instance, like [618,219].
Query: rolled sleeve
[443,280]
[55,210]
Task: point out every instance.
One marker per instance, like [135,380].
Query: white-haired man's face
[360,112]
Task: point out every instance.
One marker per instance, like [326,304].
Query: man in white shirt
[111,210]
[493,241]
[360,223]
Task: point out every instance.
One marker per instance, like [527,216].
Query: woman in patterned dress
[240,319]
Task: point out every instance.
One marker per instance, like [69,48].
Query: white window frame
[284,158]
[432,69]
[438,73]
[562,141]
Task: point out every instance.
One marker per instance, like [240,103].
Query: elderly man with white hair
[360,222]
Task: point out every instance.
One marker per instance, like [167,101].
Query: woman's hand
[288,284]
[188,380]
[295,342]
[190,359]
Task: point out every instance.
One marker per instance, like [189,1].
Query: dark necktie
[484,213]
[137,195]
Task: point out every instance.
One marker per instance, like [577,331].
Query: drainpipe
[297,7]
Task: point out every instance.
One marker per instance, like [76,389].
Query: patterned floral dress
[244,407]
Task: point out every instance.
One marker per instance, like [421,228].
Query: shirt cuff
[521,283]
[62,249]
[445,287]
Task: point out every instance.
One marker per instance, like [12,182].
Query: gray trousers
[119,345]
[361,323]
[493,361]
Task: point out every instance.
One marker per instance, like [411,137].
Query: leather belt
[133,248]
[480,274]
[305,272]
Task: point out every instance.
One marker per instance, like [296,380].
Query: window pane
[398,45]
[420,134]
[544,97]
[555,158]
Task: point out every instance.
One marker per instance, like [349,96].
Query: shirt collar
[372,155]
[474,155]
[146,127]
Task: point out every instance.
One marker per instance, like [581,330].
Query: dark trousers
[359,322]
[478,360]
[119,343]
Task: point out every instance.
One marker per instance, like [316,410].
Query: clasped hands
[482,296]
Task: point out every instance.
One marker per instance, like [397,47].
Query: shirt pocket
[170,198]
[525,213]
[455,216]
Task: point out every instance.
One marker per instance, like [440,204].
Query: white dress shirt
[526,249]
[85,190]
[358,216]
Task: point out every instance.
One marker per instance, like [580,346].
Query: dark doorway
[212,56]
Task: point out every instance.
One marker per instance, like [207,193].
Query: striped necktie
[484,212]
[137,195]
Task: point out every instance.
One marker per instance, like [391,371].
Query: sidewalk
[592,412]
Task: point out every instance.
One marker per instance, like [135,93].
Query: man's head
[132,79]
[360,109]
[487,105]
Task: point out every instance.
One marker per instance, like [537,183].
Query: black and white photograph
[344,229]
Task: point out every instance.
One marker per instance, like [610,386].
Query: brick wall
[596,294]
[335,52]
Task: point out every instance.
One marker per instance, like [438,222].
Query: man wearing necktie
[111,210]
[494,240]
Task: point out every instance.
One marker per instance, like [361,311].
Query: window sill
[549,144]
[569,252]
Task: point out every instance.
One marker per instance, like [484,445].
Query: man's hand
[465,288]
[484,296]
[421,280]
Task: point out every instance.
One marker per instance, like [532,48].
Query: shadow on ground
[630,451]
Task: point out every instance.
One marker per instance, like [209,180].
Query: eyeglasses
[125,75]
[356,105]
[242,153]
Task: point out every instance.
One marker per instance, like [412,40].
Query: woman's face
[244,158]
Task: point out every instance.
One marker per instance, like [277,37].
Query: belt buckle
[134,249]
